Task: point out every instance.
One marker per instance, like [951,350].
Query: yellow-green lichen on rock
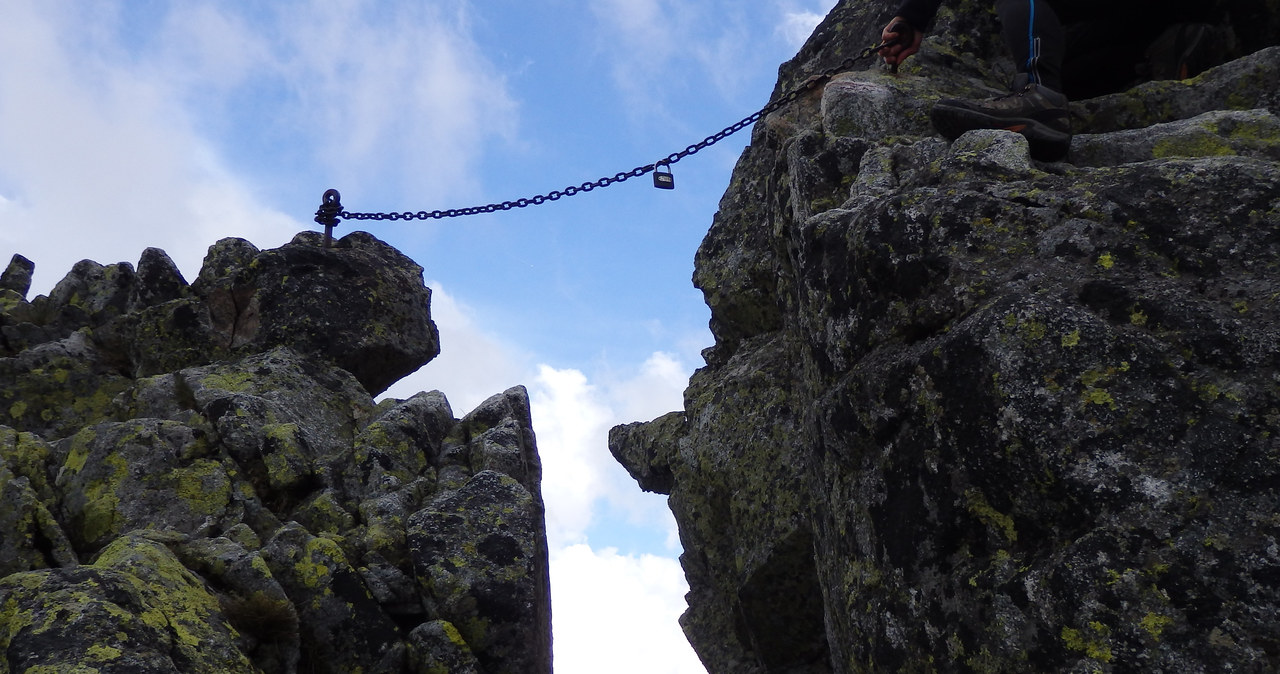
[331,600]
[141,474]
[175,600]
[135,609]
[33,538]
[56,388]
[476,554]
[215,452]
[941,415]
[29,456]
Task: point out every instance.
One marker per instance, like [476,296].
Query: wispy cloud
[383,97]
[647,40]
[402,85]
[100,162]
[602,600]
[799,20]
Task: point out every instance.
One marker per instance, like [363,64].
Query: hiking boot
[1033,110]
[1186,50]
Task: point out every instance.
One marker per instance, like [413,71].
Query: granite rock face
[967,411]
[195,478]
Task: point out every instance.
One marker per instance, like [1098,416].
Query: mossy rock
[479,554]
[342,627]
[145,473]
[967,411]
[136,609]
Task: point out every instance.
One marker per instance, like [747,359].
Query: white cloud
[404,86]
[101,162]
[618,613]
[797,27]
[798,22]
[572,423]
[656,389]
[113,147]
[572,417]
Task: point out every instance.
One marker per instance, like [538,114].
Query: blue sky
[144,123]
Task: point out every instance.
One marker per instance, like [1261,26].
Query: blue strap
[1033,45]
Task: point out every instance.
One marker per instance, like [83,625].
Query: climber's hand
[908,37]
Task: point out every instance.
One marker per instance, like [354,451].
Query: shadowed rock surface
[967,411]
[195,478]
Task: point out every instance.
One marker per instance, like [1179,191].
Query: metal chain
[331,207]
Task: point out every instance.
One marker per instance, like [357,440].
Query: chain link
[328,215]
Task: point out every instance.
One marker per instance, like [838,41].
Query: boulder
[17,276]
[213,452]
[360,304]
[136,609]
[969,411]
[477,555]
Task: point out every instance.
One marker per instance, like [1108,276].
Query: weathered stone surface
[477,553]
[498,435]
[33,538]
[136,609]
[1219,133]
[340,622]
[993,152]
[967,411]
[252,600]
[646,450]
[402,443]
[360,304]
[17,276]
[55,388]
[438,647]
[158,281]
[214,452]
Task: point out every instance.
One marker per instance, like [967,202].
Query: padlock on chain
[662,178]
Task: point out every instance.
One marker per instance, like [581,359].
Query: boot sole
[1046,143]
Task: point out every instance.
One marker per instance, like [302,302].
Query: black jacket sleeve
[918,13]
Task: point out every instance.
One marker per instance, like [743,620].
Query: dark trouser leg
[1106,40]
[1101,59]
[1034,34]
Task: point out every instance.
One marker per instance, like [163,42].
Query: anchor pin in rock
[327,214]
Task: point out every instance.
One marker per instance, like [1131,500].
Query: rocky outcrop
[967,411]
[195,478]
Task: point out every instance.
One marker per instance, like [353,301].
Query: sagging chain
[331,211]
